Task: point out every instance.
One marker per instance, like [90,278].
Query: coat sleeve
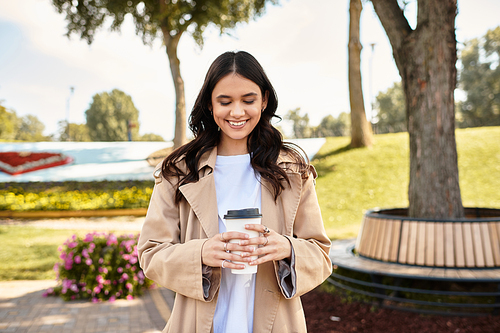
[164,259]
[311,263]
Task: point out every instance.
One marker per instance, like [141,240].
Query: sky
[302,45]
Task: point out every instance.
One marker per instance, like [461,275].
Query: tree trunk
[361,131]
[180,102]
[426,60]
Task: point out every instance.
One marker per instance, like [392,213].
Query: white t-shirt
[237,186]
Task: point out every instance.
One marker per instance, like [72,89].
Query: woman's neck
[232,148]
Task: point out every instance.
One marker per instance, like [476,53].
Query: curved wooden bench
[473,242]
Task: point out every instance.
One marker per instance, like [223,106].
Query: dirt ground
[326,313]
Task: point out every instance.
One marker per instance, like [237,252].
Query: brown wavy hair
[265,143]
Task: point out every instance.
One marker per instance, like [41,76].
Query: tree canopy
[31,129]
[301,127]
[391,110]
[73,132]
[9,123]
[27,128]
[151,137]
[480,79]
[329,125]
[169,19]
[111,115]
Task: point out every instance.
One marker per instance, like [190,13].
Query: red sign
[15,163]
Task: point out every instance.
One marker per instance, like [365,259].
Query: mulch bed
[319,306]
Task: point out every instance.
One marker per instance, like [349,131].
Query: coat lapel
[279,215]
[201,194]
[202,199]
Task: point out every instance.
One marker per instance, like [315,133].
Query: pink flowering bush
[100,266]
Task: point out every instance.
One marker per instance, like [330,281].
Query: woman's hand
[273,246]
[215,251]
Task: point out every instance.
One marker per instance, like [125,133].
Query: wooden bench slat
[364,243]
[437,272]
[495,242]
[360,240]
[488,253]
[478,247]
[396,233]
[388,239]
[420,259]
[468,245]
[381,239]
[375,234]
[466,274]
[459,245]
[488,273]
[449,249]
[359,243]
[439,241]
[403,247]
[451,273]
[371,237]
[498,229]
[412,245]
[429,254]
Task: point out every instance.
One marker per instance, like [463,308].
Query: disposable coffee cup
[235,221]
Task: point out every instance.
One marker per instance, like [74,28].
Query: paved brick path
[24,309]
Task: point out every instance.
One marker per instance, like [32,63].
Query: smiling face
[237,104]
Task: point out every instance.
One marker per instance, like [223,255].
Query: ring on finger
[267,241]
[225,247]
[266,231]
[222,237]
[223,261]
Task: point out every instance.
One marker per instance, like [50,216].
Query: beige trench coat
[173,235]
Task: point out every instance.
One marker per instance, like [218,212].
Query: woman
[236,160]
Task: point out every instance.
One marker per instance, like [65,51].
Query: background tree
[170,19]
[31,129]
[480,79]
[426,58]
[73,132]
[391,110]
[331,126]
[109,115]
[151,137]
[361,132]
[9,123]
[301,127]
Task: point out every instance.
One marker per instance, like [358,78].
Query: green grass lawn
[352,181]
[29,253]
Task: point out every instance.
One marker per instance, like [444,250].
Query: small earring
[218,129]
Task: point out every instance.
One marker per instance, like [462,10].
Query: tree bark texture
[426,59]
[180,102]
[361,131]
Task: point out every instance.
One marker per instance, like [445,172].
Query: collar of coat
[208,160]
[201,196]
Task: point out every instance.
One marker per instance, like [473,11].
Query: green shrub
[54,196]
[99,267]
